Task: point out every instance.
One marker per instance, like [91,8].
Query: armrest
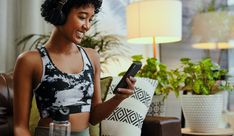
[6,105]
[161,126]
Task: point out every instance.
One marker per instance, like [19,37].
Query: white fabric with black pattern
[58,89]
[128,117]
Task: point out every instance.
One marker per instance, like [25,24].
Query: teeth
[80,34]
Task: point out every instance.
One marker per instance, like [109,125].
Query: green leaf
[137,58]
[205,90]
[197,86]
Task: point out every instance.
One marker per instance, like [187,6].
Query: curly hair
[56,11]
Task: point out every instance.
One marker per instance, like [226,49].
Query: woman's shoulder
[93,56]
[90,50]
[91,53]
[29,57]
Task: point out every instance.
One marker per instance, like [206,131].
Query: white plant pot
[202,112]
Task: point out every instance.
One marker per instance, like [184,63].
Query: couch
[152,125]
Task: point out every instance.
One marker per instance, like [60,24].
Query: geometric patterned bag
[128,117]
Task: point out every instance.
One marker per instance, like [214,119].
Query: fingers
[131,82]
[131,85]
[125,91]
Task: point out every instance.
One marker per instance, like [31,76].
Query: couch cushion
[105,84]
[6,108]
[127,118]
[34,116]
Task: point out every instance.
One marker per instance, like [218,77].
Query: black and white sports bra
[58,89]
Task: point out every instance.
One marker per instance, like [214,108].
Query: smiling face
[78,22]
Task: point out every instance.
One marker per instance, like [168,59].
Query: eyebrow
[82,12]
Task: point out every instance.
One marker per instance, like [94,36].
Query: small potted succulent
[203,80]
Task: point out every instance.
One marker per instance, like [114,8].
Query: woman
[63,74]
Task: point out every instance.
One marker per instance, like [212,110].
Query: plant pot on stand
[202,112]
[157,106]
[203,105]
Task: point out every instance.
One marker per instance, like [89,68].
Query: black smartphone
[132,70]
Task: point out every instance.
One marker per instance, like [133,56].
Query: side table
[218,132]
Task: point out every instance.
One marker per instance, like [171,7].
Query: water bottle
[60,126]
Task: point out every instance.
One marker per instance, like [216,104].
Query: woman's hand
[103,110]
[123,93]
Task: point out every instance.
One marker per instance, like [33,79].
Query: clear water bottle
[60,126]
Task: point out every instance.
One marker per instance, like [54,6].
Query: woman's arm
[23,74]
[101,110]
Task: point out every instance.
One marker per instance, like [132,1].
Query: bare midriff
[79,121]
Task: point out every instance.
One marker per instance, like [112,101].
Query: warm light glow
[213,30]
[213,45]
[148,40]
[159,18]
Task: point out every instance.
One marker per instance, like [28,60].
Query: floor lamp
[213,31]
[154,22]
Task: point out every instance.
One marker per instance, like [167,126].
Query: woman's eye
[82,18]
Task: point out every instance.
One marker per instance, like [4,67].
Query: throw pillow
[105,84]
[34,116]
[128,117]
[94,130]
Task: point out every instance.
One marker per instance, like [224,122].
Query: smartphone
[132,70]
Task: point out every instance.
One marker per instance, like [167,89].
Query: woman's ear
[57,17]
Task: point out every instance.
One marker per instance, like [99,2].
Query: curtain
[18,18]
[7,35]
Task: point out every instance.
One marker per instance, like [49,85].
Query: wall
[18,19]
[7,34]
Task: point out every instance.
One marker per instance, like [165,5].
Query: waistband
[44,131]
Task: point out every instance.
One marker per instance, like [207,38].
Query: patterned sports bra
[58,89]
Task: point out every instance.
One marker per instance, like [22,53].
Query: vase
[157,106]
[202,112]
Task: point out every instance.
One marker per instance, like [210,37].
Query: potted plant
[202,106]
[155,70]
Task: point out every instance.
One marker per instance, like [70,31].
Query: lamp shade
[213,30]
[161,19]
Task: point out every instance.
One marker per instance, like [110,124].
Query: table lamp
[213,30]
[154,21]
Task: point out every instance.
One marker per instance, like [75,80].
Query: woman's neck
[58,43]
